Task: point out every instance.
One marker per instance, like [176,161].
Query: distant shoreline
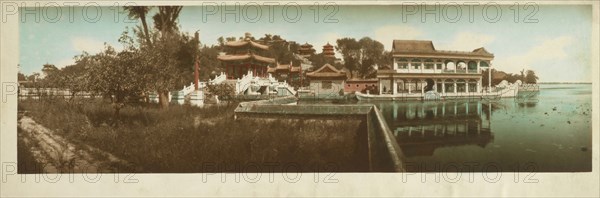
[564,83]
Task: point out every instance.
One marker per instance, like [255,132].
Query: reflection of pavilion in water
[420,128]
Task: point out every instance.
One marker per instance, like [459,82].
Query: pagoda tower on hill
[328,50]
[306,50]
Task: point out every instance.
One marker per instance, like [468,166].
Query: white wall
[317,87]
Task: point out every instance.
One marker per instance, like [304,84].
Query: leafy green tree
[221,41]
[49,69]
[33,77]
[223,91]
[351,63]
[279,49]
[531,77]
[165,69]
[360,55]
[318,60]
[231,38]
[209,64]
[21,77]
[115,75]
[72,77]
[161,59]
[166,19]
[371,54]
[350,50]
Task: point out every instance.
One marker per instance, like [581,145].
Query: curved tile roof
[246,42]
[230,57]
[427,47]
[327,71]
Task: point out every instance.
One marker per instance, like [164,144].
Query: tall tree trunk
[145,25]
[163,99]
[72,96]
[117,103]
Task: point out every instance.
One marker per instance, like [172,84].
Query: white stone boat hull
[505,93]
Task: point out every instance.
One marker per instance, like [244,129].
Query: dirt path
[57,154]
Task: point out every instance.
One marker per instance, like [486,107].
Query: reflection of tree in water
[527,104]
[420,128]
[527,99]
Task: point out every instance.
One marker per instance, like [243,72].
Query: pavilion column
[422,66]
[490,77]
[394,86]
[409,66]
[444,111]
[467,87]
[455,66]
[395,110]
[444,66]
[417,82]
[422,88]
[443,86]
[455,112]
[479,85]
[454,86]
[380,87]
[478,67]
[408,86]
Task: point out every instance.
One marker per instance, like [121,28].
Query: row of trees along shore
[156,58]
[525,76]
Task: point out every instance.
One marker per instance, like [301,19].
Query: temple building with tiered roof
[286,72]
[243,56]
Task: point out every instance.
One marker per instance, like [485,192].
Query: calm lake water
[547,131]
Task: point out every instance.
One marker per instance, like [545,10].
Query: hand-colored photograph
[325,87]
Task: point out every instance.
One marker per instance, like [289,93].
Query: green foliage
[209,64]
[530,77]
[140,12]
[361,55]
[166,19]
[350,50]
[318,60]
[169,64]
[49,69]
[72,77]
[118,75]
[21,77]
[224,91]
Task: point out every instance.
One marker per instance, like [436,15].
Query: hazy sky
[556,41]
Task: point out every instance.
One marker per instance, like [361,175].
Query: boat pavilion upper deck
[419,67]
[413,56]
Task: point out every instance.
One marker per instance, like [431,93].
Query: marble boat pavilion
[418,67]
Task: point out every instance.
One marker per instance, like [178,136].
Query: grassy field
[27,162]
[189,139]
